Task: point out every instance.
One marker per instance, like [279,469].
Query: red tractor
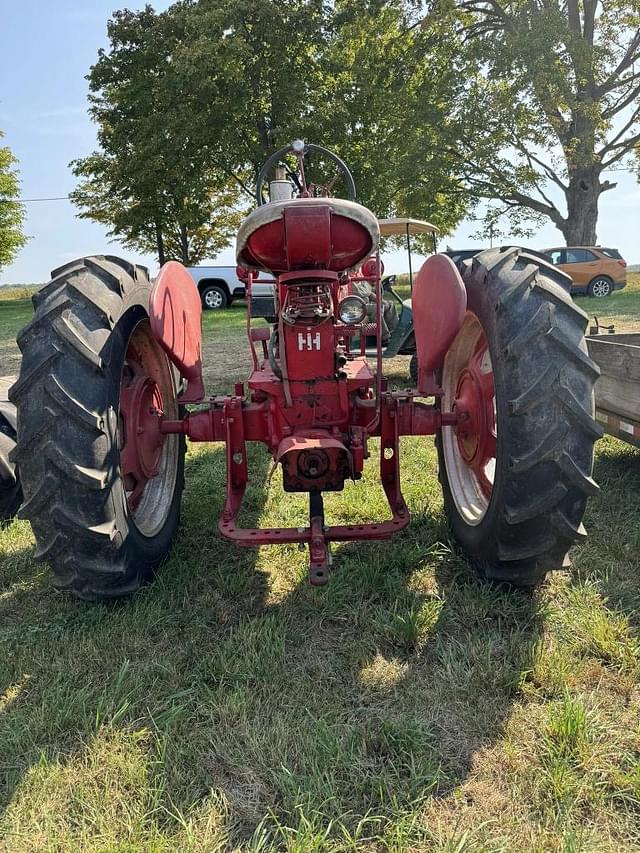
[110,363]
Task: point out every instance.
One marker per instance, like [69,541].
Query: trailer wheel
[101,485]
[10,491]
[516,472]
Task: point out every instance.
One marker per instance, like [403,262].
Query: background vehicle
[217,286]
[402,226]
[459,255]
[594,270]
[102,418]
[398,333]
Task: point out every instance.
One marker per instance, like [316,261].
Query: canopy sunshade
[402,226]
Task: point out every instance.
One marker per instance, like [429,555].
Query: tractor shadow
[68,668]
[364,697]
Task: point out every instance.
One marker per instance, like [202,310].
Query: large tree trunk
[583,195]
[184,245]
[160,244]
[264,134]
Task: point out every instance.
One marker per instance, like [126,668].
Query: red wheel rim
[470,447]
[475,406]
[148,459]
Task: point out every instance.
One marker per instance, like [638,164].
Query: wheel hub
[141,407]
[313,463]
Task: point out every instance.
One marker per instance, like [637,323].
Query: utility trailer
[617,390]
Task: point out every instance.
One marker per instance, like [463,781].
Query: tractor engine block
[309,303]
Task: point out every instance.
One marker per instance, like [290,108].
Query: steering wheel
[299,149]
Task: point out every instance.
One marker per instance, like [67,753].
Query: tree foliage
[434,105]
[150,182]
[247,69]
[12,213]
[371,80]
[555,103]
[390,83]
[189,103]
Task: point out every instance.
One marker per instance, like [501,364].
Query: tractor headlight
[352,310]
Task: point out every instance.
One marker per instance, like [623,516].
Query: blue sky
[46,49]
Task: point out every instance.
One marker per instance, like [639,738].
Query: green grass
[404,707]
[14,313]
[621,308]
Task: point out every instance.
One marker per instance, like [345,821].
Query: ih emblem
[308,341]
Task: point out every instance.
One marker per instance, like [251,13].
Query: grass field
[405,707]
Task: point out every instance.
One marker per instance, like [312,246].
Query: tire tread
[65,450]
[551,418]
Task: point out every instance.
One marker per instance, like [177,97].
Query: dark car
[459,255]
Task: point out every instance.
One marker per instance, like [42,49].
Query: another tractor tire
[413,368]
[10,491]
[88,359]
[516,474]
[214,297]
[600,287]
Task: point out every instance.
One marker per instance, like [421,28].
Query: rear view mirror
[388,282]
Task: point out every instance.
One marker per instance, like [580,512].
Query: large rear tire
[516,473]
[92,376]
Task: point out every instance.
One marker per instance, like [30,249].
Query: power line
[49,198]
[28,200]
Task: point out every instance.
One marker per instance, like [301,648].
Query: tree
[177,221]
[366,79]
[248,70]
[152,183]
[12,237]
[390,82]
[557,93]
[190,102]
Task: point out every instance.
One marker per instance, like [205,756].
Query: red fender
[175,313]
[439,303]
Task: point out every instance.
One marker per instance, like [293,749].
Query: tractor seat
[307,233]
